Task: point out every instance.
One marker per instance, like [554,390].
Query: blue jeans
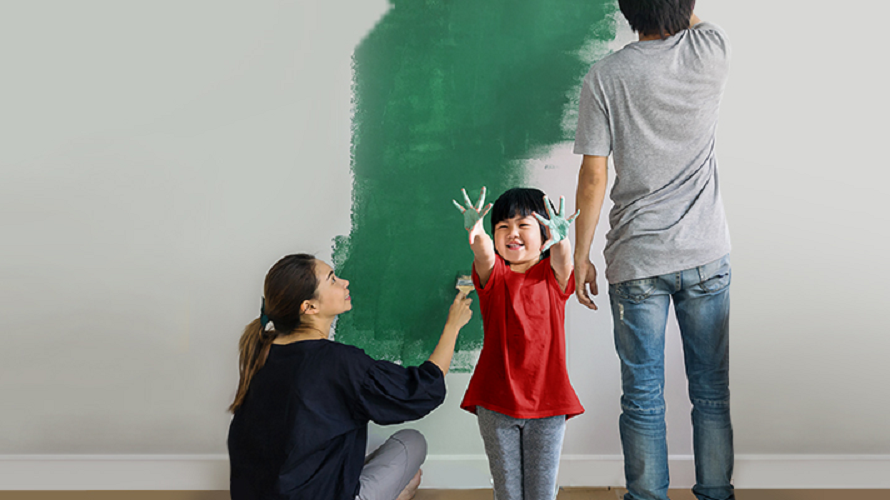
[640,312]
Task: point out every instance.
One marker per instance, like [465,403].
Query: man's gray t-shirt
[654,105]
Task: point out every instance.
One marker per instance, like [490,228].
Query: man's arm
[592,180]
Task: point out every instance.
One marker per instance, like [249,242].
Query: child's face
[518,240]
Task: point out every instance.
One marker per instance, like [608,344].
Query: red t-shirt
[522,368]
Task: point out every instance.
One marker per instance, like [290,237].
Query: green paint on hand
[447,93]
[557,224]
[472,213]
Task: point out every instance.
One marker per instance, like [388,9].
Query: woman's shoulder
[346,351]
[326,350]
[339,361]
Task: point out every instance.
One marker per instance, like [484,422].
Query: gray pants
[389,468]
[523,454]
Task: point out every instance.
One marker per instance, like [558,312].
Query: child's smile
[518,241]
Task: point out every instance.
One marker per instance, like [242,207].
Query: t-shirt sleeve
[497,271]
[715,38]
[391,394]
[593,135]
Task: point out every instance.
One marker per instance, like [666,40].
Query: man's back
[654,105]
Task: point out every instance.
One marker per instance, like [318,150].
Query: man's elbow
[594,169]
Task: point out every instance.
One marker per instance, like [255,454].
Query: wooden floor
[618,493]
[564,494]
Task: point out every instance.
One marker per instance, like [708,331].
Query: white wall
[157,158]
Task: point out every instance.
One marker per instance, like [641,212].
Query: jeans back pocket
[635,290]
[715,276]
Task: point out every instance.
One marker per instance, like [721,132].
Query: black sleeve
[391,394]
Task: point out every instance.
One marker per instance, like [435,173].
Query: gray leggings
[389,468]
[523,454]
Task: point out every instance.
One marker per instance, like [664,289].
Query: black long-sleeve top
[302,429]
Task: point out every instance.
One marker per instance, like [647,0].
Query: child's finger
[547,245]
[466,198]
[459,207]
[574,216]
[562,205]
[542,220]
[481,199]
[487,208]
[549,208]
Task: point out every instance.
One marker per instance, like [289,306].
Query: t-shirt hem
[569,412]
[621,277]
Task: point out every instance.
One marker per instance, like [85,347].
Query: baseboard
[211,472]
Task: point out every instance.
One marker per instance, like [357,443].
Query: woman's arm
[458,316]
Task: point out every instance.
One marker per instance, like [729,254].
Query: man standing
[653,105]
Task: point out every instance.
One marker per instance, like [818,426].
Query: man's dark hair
[657,17]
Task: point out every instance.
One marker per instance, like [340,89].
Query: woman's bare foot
[411,490]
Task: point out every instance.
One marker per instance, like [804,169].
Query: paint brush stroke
[447,94]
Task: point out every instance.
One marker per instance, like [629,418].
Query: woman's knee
[413,441]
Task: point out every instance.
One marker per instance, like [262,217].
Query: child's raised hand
[557,225]
[473,214]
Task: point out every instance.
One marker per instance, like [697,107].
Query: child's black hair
[657,17]
[522,202]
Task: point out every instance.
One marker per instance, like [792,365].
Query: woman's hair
[657,17]
[520,202]
[289,283]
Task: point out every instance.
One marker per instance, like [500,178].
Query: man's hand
[473,214]
[585,274]
[558,225]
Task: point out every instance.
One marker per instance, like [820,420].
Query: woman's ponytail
[254,347]
[290,282]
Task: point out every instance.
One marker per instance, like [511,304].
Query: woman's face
[332,294]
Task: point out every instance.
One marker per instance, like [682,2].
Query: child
[520,390]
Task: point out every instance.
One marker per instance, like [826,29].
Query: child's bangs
[518,202]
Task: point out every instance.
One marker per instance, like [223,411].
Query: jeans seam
[653,410]
[710,402]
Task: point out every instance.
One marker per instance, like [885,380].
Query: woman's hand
[458,316]
[459,313]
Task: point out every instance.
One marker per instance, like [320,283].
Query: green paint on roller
[448,93]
